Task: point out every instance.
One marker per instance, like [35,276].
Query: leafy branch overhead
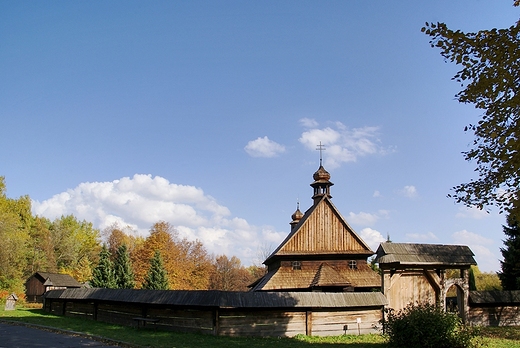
[490,79]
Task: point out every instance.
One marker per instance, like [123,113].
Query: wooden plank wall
[275,323]
[494,316]
[407,286]
[184,320]
[227,322]
[329,323]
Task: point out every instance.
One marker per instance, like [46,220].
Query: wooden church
[322,252]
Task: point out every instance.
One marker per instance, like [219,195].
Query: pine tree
[157,278]
[103,274]
[510,275]
[124,276]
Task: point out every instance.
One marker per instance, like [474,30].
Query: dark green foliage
[425,326]
[157,278]
[510,275]
[124,276]
[472,282]
[103,274]
[489,77]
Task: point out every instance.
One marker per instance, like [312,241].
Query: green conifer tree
[124,276]
[510,275]
[157,278]
[103,274]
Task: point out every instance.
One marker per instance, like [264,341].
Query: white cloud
[466,237]
[409,191]
[362,218]
[264,147]
[376,194]
[372,237]
[424,237]
[308,122]
[472,213]
[486,260]
[142,200]
[342,144]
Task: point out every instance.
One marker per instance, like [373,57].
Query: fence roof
[224,299]
[494,297]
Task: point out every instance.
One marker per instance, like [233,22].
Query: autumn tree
[157,278]
[76,246]
[15,222]
[123,273]
[40,253]
[115,235]
[510,265]
[186,262]
[228,274]
[103,275]
[490,78]
[194,265]
[161,239]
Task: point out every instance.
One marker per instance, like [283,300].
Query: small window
[296,265]
[352,264]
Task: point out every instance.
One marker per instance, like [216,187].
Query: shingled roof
[495,297]
[224,299]
[424,254]
[317,275]
[57,279]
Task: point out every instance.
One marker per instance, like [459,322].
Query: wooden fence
[226,313]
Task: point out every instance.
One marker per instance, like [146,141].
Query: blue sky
[207,114]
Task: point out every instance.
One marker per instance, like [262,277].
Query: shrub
[425,326]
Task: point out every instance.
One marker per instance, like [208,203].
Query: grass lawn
[491,337]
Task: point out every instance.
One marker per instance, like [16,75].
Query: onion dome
[321,174]
[297,215]
[321,184]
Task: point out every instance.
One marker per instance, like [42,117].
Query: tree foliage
[123,273]
[228,274]
[490,79]
[426,326]
[103,275]
[15,220]
[76,246]
[186,262]
[157,278]
[510,275]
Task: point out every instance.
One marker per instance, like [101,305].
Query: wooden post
[216,327]
[308,323]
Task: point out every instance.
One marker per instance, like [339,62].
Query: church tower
[321,252]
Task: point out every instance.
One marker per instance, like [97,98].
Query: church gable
[323,231]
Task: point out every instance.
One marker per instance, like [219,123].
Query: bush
[425,326]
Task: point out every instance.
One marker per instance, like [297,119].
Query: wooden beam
[308,323]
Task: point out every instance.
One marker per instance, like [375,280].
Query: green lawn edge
[502,337]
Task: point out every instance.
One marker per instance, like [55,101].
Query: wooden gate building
[416,273]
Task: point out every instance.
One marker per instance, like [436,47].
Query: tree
[103,274]
[510,275]
[186,262]
[15,222]
[41,248]
[490,77]
[230,275]
[76,246]
[161,238]
[157,278]
[124,276]
[117,236]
